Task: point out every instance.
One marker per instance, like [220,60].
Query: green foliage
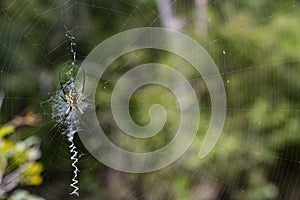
[18,165]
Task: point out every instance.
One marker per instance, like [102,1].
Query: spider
[72,98]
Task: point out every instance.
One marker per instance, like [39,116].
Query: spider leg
[63,119]
[79,109]
[66,113]
[80,99]
[83,83]
[64,98]
[84,116]
[82,90]
[61,85]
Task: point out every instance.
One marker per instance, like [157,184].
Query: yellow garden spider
[72,98]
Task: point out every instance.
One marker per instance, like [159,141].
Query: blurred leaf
[23,195]
[5,130]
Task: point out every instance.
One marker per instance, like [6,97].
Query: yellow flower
[5,130]
[32,175]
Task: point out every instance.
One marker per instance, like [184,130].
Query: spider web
[257,156]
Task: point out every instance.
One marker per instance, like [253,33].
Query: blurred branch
[11,180]
[168,19]
[201,18]
[26,118]
[1,98]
